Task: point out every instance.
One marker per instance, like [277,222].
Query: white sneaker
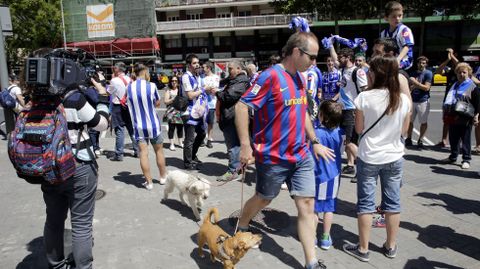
[162,180]
[148,186]
[97,152]
[172,147]
[284,186]
[465,165]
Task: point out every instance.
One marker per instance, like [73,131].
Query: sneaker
[209,144]
[448,161]
[318,265]
[349,169]
[162,180]
[98,153]
[196,161]
[172,147]
[326,244]
[203,144]
[135,155]
[228,176]
[379,222]
[148,186]
[117,159]
[390,252]
[191,167]
[284,186]
[465,165]
[420,144]
[408,142]
[352,249]
[353,179]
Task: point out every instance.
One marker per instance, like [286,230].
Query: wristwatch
[315,141]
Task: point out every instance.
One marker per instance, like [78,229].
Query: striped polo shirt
[141,97]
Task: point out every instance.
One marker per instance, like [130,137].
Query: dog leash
[242,169]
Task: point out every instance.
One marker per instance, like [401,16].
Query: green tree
[36,24]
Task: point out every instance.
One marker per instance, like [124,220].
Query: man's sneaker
[408,142]
[448,161]
[318,265]
[354,251]
[191,167]
[172,147]
[162,180]
[349,169]
[420,144]
[326,244]
[117,159]
[390,252]
[228,176]
[465,165]
[196,161]
[284,186]
[353,179]
[135,155]
[98,152]
[379,222]
[209,144]
[148,186]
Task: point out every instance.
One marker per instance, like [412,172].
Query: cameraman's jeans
[120,141]
[233,147]
[77,194]
[194,136]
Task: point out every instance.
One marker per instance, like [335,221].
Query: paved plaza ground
[133,228]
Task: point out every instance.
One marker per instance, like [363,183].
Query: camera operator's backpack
[39,147]
[6,100]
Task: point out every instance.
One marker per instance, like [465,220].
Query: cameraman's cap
[121,66]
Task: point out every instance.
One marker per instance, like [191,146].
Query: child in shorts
[327,175]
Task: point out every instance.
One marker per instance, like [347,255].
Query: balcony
[227,24]
[174,5]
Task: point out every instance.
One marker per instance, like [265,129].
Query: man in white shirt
[210,82]
[120,114]
[16,93]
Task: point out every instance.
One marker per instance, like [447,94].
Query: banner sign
[100,22]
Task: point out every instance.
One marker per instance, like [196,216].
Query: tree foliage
[36,24]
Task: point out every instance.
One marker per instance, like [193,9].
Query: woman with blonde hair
[462,92]
[143,98]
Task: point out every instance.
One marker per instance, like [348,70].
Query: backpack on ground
[39,146]
[6,100]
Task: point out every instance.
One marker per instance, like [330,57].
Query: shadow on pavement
[219,155]
[436,236]
[175,162]
[423,263]
[420,159]
[36,259]
[453,204]
[212,169]
[184,210]
[127,178]
[454,172]
[345,208]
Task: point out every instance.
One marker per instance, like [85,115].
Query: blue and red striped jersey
[280,103]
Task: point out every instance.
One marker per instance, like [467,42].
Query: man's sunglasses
[311,56]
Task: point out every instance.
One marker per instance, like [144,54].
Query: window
[194,16]
[246,13]
[173,18]
[223,15]
[197,42]
[173,43]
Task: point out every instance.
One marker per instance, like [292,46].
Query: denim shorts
[299,178]
[390,180]
[154,141]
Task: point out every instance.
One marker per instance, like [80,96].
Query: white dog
[197,189]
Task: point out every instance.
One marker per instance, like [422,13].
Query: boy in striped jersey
[400,32]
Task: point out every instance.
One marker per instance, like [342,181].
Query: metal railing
[170,3]
[234,22]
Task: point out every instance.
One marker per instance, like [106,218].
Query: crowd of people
[291,120]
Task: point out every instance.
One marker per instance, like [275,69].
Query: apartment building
[220,30]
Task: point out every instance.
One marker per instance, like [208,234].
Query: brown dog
[228,249]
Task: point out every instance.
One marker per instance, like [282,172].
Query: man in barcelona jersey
[281,125]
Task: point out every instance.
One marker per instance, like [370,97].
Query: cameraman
[77,194]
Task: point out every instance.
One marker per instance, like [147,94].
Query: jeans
[77,194]
[457,133]
[233,147]
[192,142]
[95,138]
[390,180]
[120,141]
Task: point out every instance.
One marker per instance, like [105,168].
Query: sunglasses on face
[311,56]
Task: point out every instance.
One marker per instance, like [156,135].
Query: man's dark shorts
[211,116]
[348,125]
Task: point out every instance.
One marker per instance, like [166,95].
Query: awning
[121,46]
